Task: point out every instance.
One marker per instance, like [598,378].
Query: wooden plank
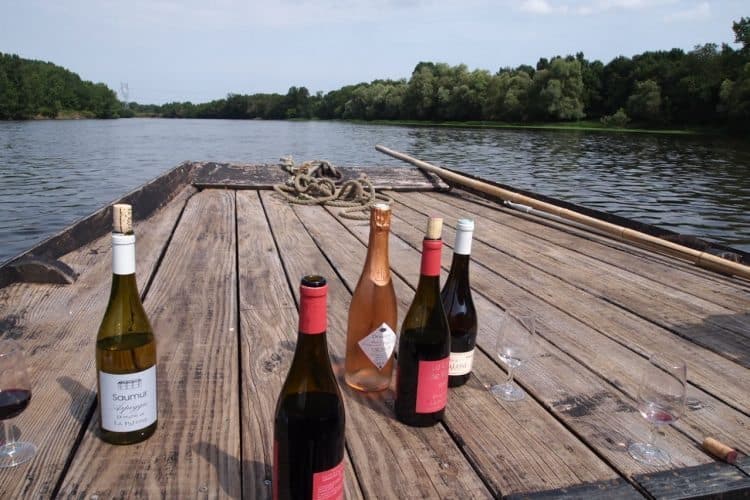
[147,199]
[55,325]
[390,459]
[193,308]
[243,176]
[712,372]
[743,464]
[268,325]
[697,281]
[615,363]
[716,480]
[666,305]
[516,447]
[615,489]
[591,407]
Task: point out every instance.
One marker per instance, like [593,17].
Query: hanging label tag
[378,345]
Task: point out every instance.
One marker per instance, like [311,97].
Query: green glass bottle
[424,345]
[125,348]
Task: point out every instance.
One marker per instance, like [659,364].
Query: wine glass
[515,344]
[661,401]
[15,394]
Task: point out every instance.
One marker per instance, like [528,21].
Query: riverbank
[586,126]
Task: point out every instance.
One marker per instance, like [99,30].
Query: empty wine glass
[15,394]
[661,401]
[515,344]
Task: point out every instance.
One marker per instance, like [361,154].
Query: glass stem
[5,438]
[509,379]
[651,435]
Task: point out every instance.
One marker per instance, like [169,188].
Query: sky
[200,50]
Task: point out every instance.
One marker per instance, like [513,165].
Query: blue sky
[198,50]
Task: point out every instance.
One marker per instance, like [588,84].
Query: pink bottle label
[329,484]
[432,385]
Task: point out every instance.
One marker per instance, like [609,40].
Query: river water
[54,172]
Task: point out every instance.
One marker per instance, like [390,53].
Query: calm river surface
[54,172]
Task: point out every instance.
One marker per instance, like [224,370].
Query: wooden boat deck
[218,270]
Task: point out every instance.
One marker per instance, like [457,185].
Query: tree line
[30,88]
[707,86]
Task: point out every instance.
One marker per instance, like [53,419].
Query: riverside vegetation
[708,86]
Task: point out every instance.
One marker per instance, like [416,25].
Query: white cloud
[700,11]
[597,6]
[542,7]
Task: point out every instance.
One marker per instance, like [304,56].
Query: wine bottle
[125,348]
[424,345]
[459,307]
[370,336]
[308,454]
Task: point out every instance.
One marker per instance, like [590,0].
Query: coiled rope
[314,183]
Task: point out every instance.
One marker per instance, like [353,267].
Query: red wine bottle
[459,307]
[308,452]
[424,345]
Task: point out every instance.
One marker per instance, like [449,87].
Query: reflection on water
[52,173]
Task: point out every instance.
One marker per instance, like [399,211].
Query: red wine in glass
[15,394]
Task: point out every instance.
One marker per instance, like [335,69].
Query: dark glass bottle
[125,348]
[424,344]
[459,307]
[308,450]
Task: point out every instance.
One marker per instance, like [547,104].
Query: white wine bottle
[125,347]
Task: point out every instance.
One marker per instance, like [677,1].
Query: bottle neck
[429,274]
[312,311]
[123,254]
[377,263]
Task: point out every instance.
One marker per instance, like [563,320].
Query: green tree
[645,102]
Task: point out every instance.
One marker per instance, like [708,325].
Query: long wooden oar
[703,259]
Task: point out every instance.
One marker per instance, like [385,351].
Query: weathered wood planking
[599,414]
[390,459]
[616,364]
[242,176]
[616,489]
[718,375]
[268,325]
[516,447]
[192,304]
[700,282]
[719,328]
[687,314]
[57,325]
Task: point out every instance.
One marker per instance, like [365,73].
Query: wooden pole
[703,259]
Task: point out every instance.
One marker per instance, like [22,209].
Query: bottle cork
[720,450]
[122,218]
[434,228]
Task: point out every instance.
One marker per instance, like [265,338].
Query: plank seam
[238,327]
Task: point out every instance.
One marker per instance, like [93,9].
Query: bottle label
[432,385]
[329,484]
[128,401]
[378,345]
[461,362]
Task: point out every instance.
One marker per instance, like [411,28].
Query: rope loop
[314,183]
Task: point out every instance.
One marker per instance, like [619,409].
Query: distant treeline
[709,85]
[30,89]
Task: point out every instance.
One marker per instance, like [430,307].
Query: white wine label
[378,345]
[128,401]
[461,362]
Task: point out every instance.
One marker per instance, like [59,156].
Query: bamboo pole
[703,259]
